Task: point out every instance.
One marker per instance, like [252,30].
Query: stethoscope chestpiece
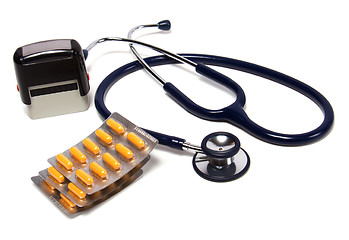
[222,159]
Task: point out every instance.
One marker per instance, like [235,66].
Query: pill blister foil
[100,189]
[54,194]
[112,176]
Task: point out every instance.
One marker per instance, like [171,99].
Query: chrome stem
[192,147]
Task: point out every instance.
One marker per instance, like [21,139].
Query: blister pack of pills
[102,164]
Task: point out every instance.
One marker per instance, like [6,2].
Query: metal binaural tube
[160,50]
[139,57]
[163,25]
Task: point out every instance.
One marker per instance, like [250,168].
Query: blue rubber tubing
[244,122]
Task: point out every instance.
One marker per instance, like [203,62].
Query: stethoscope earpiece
[221,159]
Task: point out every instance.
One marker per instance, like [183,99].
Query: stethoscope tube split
[234,113]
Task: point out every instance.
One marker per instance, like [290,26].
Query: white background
[288,193]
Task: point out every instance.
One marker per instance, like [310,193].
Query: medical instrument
[52,78]
[233,113]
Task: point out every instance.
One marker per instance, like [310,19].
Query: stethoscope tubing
[233,113]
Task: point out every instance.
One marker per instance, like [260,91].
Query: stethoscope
[220,157]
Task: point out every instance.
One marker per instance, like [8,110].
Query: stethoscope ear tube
[223,80]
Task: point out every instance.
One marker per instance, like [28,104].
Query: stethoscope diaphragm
[221,159]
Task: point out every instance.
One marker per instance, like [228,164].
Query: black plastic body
[164,25]
[50,62]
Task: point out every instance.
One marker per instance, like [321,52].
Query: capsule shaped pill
[98,170]
[84,177]
[117,127]
[111,161]
[90,145]
[124,151]
[77,191]
[55,174]
[77,154]
[64,161]
[135,140]
[49,185]
[66,200]
[103,136]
